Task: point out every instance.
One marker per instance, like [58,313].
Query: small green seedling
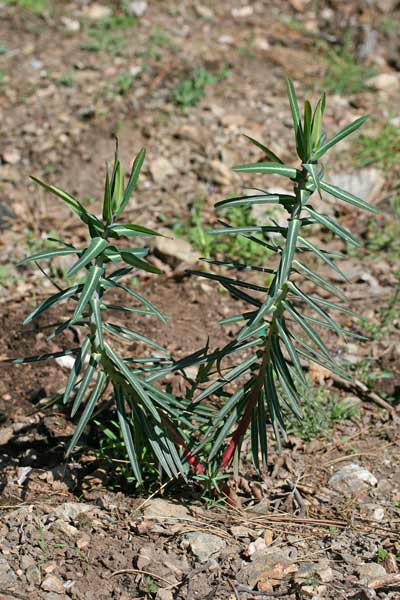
[148,417]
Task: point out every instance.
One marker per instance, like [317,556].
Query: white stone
[11,156]
[97,11]
[67,362]
[385,82]
[352,479]
[161,169]
[52,583]
[204,545]
[138,8]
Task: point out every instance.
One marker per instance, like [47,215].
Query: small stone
[372,512]
[5,435]
[66,528]
[52,583]
[11,156]
[71,510]
[204,545]
[67,362]
[164,594]
[160,510]
[369,571]
[220,173]
[71,25]
[174,251]
[23,474]
[240,531]
[26,562]
[137,9]
[161,169]
[242,12]
[262,44]
[352,479]
[83,541]
[204,11]
[96,12]
[385,82]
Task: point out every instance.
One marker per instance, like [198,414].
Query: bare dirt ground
[323,522]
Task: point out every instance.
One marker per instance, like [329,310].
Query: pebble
[137,9]
[352,479]
[71,25]
[96,12]
[5,435]
[52,583]
[71,510]
[161,168]
[203,545]
[11,156]
[369,571]
[67,362]
[372,512]
[174,251]
[385,82]
[160,509]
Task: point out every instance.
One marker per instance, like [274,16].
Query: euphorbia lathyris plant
[149,417]
[280,329]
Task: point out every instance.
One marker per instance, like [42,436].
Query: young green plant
[280,329]
[148,417]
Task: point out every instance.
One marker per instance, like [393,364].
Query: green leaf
[236,265]
[245,229]
[87,378]
[134,261]
[321,281]
[107,209]
[268,153]
[312,168]
[133,380]
[291,350]
[262,427]
[64,294]
[130,230]
[127,433]
[48,254]
[294,107]
[272,168]
[228,377]
[274,408]
[333,305]
[76,369]
[284,199]
[289,251]
[333,226]
[39,357]
[92,280]
[285,377]
[316,126]
[110,283]
[307,328]
[338,137]
[307,127]
[308,300]
[72,203]
[133,179]
[322,255]
[95,304]
[347,197]
[128,334]
[96,247]
[117,193]
[87,413]
[221,279]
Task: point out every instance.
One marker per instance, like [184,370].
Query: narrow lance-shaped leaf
[87,413]
[48,254]
[284,199]
[347,197]
[331,224]
[46,304]
[268,153]
[76,369]
[338,137]
[107,209]
[92,280]
[133,179]
[127,433]
[96,247]
[272,168]
[294,107]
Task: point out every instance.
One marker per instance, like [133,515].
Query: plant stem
[280,295]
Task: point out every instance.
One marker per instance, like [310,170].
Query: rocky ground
[324,520]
